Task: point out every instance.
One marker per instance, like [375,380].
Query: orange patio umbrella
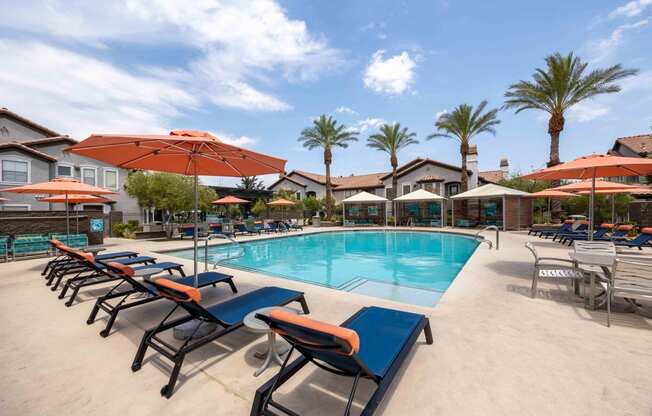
[592,167]
[230,200]
[614,192]
[61,186]
[76,199]
[188,152]
[281,202]
[550,193]
[588,185]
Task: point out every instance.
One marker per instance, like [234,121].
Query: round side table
[93,250]
[254,324]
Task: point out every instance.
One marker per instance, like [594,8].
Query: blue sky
[256,72]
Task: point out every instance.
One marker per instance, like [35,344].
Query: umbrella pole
[549,213]
[591,208]
[194,254]
[613,208]
[67,222]
[76,223]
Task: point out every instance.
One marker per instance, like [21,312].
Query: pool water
[410,267]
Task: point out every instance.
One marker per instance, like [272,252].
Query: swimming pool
[406,266]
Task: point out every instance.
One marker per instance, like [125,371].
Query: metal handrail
[489,227]
[229,257]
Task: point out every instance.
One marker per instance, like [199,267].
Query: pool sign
[97,225]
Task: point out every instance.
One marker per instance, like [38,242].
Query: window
[388,193]
[110,178]
[298,195]
[406,189]
[89,176]
[452,189]
[15,171]
[64,169]
[16,207]
[427,186]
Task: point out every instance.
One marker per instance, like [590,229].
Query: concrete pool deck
[496,350]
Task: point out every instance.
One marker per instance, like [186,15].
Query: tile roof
[493,176]
[641,144]
[370,180]
[29,122]
[20,146]
[48,140]
[430,178]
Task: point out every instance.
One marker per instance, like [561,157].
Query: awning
[419,195]
[490,191]
[364,197]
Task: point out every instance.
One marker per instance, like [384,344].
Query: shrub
[126,230]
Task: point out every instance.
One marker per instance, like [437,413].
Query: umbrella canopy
[587,186]
[63,186]
[592,167]
[634,190]
[551,193]
[364,197]
[76,199]
[187,152]
[281,203]
[595,166]
[419,195]
[229,200]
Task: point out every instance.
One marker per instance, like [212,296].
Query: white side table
[254,324]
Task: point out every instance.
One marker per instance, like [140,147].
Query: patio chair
[373,344]
[599,234]
[552,268]
[94,274]
[631,280]
[580,230]
[64,258]
[566,226]
[640,241]
[228,315]
[130,292]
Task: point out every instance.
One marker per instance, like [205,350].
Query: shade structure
[188,152]
[421,195]
[551,193]
[229,200]
[362,198]
[61,186]
[592,167]
[487,192]
[281,202]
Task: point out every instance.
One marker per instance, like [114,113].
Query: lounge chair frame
[263,398]
[178,354]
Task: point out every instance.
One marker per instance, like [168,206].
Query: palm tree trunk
[328,158]
[464,150]
[555,127]
[393,160]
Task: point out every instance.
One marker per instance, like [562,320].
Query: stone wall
[44,222]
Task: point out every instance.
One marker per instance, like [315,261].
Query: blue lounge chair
[639,242]
[599,234]
[371,344]
[567,226]
[63,258]
[228,315]
[129,292]
[94,274]
[580,230]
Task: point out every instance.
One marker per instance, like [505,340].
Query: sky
[257,72]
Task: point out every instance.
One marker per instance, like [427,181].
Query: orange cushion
[192,292]
[56,243]
[124,269]
[606,225]
[646,230]
[87,256]
[347,335]
[584,222]
[625,227]
[569,221]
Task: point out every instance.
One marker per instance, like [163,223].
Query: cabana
[421,208]
[503,207]
[364,209]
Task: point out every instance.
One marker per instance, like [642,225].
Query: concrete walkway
[496,350]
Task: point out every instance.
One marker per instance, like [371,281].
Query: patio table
[93,250]
[594,254]
[254,324]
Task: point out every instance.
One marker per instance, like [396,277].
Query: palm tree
[562,85]
[250,183]
[391,139]
[326,134]
[462,124]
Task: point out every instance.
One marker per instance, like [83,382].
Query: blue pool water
[411,267]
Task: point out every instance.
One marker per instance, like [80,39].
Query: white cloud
[241,141]
[369,123]
[239,43]
[78,95]
[346,110]
[631,9]
[603,48]
[393,75]
[440,113]
[368,26]
[587,111]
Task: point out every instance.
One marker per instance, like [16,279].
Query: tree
[312,204]
[251,183]
[259,208]
[462,124]
[326,134]
[390,140]
[560,86]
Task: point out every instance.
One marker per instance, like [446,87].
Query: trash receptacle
[316,221]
